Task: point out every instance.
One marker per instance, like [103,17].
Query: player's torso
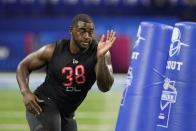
[69,77]
[72,72]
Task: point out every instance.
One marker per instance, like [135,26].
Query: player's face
[83,34]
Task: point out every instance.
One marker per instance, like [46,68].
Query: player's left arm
[103,68]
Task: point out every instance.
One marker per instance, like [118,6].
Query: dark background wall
[26,25]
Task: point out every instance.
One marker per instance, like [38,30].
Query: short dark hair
[81,17]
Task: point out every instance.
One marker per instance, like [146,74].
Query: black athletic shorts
[50,119]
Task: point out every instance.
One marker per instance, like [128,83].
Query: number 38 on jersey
[73,75]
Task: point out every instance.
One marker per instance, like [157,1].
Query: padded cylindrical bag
[140,103]
[178,100]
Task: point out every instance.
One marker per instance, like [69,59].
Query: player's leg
[48,120]
[68,124]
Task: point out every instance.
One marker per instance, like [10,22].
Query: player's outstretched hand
[105,43]
[31,103]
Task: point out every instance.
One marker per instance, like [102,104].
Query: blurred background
[26,25]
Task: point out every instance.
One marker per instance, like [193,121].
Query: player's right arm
[30,63]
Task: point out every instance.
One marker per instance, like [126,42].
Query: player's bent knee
[39,128]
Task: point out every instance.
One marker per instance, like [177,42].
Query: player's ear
[70,29]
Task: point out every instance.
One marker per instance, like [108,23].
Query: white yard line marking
[23,127]
[12,114]
[87,127]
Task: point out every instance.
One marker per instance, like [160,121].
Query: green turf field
[97,113]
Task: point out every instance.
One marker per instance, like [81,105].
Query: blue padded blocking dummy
[178,100]
[140,103]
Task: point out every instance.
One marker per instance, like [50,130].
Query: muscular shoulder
[93,47]
[46,52]
[94,42]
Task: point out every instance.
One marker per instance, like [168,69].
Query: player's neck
[74,49]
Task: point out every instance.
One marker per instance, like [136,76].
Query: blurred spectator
[188,12]
[130,2]
[93,2]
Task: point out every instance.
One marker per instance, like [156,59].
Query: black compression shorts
[50,119]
